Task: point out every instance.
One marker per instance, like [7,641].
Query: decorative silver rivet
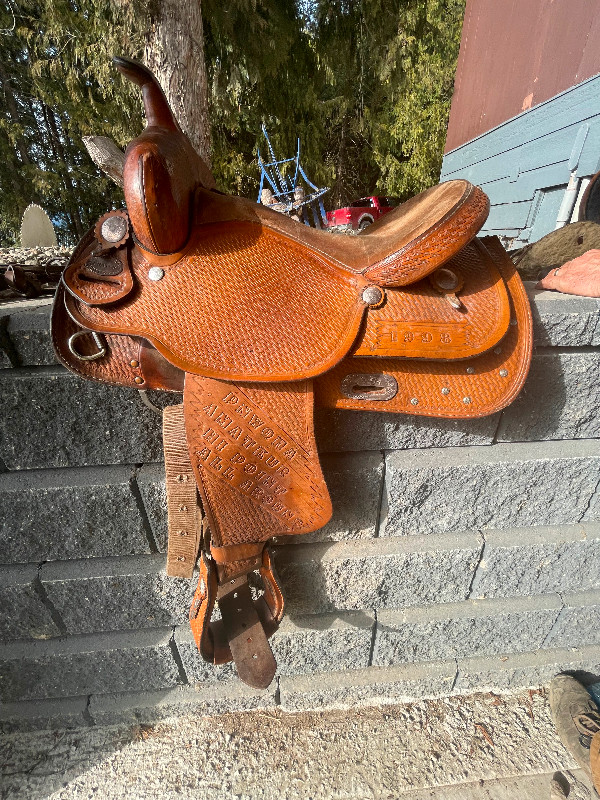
[445,390]
[183,508]
[156,273]
[470,370]
[503,373]
[182,533]
[373,295]
[466,400]
[180,558]
[114,228]
[497,350]
[414,401]
[513,322]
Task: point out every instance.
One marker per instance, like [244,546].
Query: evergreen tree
[57,86]
[365,84]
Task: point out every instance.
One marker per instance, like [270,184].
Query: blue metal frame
[284,187]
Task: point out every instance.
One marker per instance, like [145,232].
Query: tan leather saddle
[256,317]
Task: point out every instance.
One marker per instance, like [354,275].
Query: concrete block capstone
[522,670]
[147,707]
[561,320]
[374,685]
[28,328]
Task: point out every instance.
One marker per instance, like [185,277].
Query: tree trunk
[72,195]
[174,51]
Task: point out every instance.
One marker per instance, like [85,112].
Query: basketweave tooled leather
[257,318]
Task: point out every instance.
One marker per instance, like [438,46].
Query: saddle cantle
[256,317]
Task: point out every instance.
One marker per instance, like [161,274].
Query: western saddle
[256,318]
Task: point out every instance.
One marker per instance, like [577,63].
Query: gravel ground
[459,748]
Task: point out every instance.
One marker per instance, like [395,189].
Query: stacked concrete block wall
[462,555]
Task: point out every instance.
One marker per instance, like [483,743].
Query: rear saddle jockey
[256,317]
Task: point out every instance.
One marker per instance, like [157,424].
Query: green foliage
[365,84]
[57,86]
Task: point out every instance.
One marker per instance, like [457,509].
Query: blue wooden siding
[525,164]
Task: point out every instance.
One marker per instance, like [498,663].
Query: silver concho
[373,296]
[114,229]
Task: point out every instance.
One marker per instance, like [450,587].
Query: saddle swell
[256,318]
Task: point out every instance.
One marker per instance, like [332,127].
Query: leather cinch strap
[254,458]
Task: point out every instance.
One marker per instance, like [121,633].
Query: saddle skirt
[256,318]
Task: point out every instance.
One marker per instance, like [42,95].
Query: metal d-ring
[97,341]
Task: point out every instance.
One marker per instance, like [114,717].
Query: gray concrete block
[71,513]
[458,630]
[578,622]
[355,483]
[40,715]
[126,594]
[342,430]
[561,320]
[502,486]
[373,686]
[87,665]
[502,673]
[148,707]
[560,400]
[151,482]
[540,560]
[592,512]
[323,643]
[380,573]
[29,332]
[54,419]
[24,615]
[198,672]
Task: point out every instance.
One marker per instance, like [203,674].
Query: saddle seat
[404,245]
[234,304]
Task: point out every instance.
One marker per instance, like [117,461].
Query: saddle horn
[162,170]
[156,106]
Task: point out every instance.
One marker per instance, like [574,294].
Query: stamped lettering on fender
[398,338]
[239,444]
